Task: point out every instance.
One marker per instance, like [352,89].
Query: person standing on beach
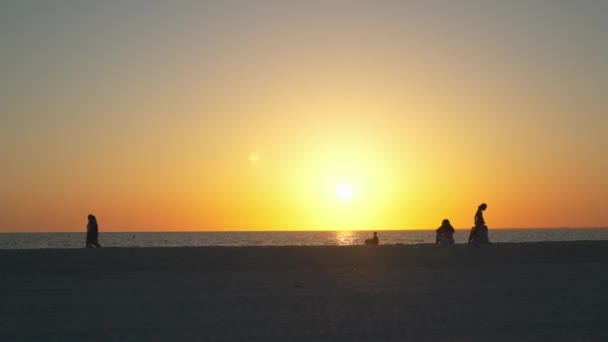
[92,232]
[445,233]
[479,233]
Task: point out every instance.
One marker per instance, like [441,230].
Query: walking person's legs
[95,242]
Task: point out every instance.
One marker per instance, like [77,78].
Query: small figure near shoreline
[92,232]
[445,233]
[372,241]
[479,233]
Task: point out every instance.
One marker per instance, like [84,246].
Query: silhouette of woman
[479,233]
[92,232]
[445,233]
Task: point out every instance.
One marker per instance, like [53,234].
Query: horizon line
[283,230]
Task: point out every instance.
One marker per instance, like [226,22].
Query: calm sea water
[183,239]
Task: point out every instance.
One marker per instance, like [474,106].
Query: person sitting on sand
[92,232]
[479,233]
[445,233]
[372,241]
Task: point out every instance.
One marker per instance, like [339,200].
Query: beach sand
[501,292]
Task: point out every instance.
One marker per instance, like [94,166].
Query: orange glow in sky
[302,116]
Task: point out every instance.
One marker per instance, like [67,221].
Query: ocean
[283,238]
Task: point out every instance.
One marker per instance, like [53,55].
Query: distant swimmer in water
[92,232]
[445,233]
[372,241]
[479,233]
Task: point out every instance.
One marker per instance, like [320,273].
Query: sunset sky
[302,115]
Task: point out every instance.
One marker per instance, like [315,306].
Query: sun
[254,158]
[344,192]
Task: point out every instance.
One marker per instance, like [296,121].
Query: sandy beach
[501,292]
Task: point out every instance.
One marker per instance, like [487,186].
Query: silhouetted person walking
[372,241]
[92,232]
[445,233]
[479,233]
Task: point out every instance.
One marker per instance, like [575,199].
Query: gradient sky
[250,115]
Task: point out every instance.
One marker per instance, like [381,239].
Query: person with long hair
[445,233]
[92,232]
[479,233]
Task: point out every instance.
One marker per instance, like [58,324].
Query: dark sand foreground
[502,292]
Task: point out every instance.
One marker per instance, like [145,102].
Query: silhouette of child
[372,241]
[445,233]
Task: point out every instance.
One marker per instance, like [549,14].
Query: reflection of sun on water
[345,238]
